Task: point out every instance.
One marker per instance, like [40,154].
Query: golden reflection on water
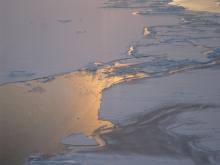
[199,5]
[36,115]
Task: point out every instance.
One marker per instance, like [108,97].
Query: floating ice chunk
[131,50]
[146,31]
[135,13]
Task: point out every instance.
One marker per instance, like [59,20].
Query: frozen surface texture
[130,82]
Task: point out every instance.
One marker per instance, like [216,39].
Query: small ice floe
[146,31]
[131,51]
[64,21]
[135,13]
[79,140]
[183,20]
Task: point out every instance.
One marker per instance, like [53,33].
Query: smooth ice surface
[193,87]
[40,38]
